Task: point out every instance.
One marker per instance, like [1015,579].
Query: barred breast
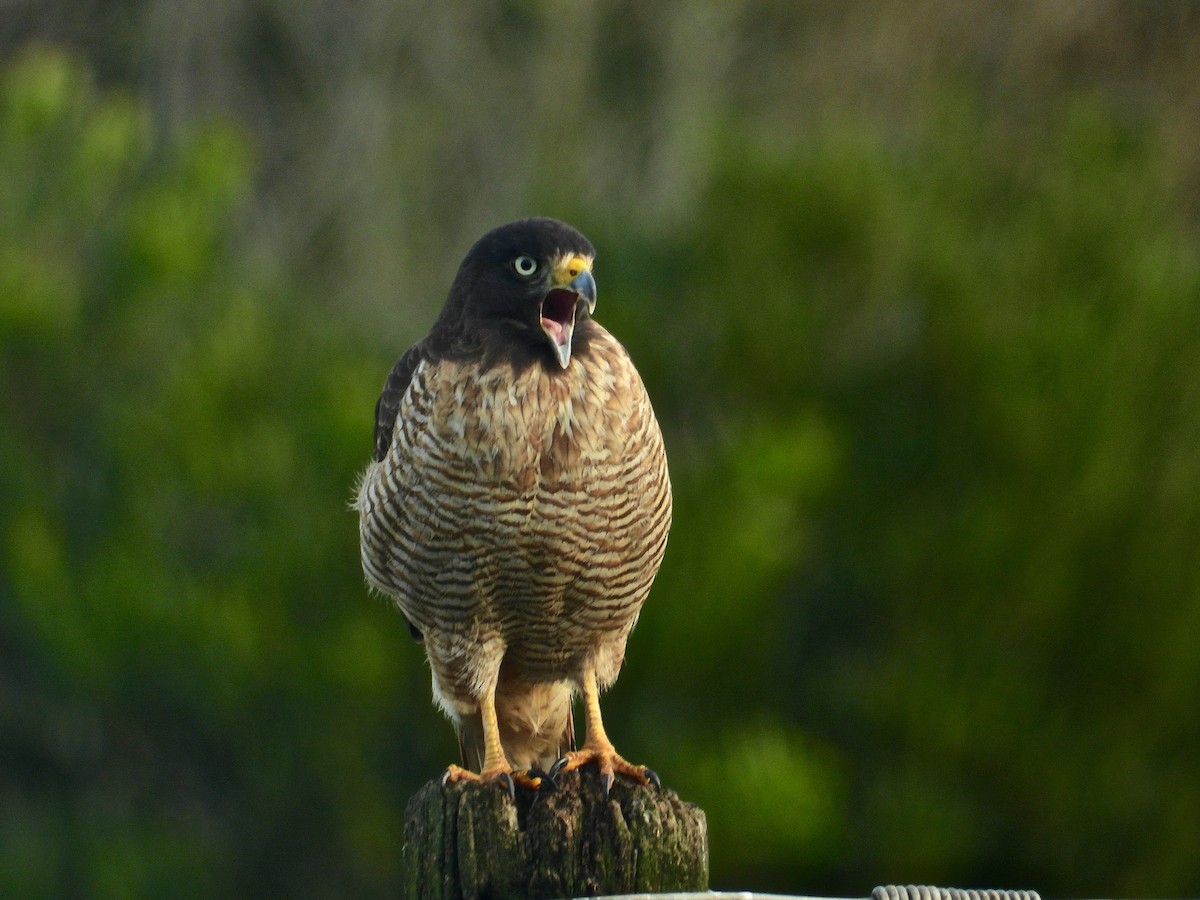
[519,517]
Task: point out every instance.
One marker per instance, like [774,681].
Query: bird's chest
[530,430]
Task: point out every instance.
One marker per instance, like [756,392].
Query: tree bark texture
[469,840]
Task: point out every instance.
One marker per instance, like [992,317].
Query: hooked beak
[571,287]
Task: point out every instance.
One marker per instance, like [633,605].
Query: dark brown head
[524,293]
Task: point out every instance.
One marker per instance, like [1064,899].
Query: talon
[506,780]
[652,777]
[556,768]
[606,779]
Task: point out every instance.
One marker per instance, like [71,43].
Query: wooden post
[469,840]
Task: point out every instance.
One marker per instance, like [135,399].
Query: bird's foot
[501,776]
[530,779]
[609,764]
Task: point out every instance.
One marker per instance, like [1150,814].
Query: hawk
[518,505]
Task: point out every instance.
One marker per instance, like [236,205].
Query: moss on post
[469,840]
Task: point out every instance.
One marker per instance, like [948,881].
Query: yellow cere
[568,268]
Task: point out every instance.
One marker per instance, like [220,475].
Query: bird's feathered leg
[597,747]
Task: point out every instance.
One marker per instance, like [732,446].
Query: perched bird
[518,504]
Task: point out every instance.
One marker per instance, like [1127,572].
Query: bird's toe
[505,778]
[534,779]
[608,763]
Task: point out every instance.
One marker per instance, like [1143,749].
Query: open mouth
[558,315]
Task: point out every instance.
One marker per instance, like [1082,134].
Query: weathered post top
[468,840]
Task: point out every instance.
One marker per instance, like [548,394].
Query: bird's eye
[525,265]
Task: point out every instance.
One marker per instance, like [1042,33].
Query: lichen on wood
[469,840]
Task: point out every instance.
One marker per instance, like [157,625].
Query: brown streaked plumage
[518,504]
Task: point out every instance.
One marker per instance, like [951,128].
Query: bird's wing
[387,407]
[388,404]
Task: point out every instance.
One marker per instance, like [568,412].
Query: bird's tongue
[557,311]
[555,330]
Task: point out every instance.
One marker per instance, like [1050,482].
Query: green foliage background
[917,298]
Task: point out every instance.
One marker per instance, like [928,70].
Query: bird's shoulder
[387,407]
[511,415]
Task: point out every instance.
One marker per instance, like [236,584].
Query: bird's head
[524,292]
